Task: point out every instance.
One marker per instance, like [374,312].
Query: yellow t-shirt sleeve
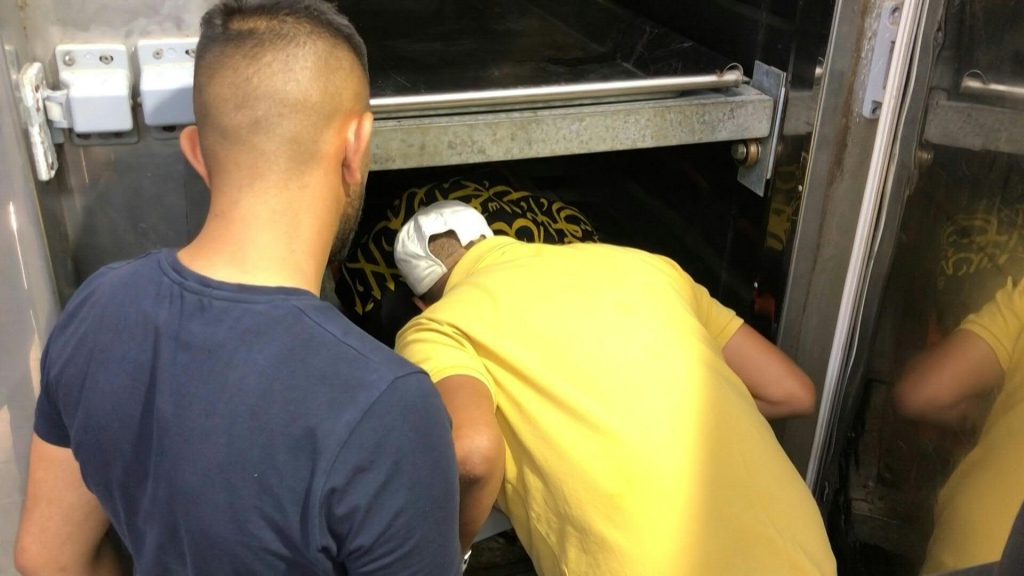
[999,322]
[441,350]
[720,321]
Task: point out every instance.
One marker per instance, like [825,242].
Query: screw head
[739,151]
[69,59]
[191,52]
[924,156]
[745,152]
[158,53]
[106,59]
[894,16]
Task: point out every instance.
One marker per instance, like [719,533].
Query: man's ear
[419,303]
[189,142]
[357,148]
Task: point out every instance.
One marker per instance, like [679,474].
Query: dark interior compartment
[746,30]
[435,46]
[682,202]
[991,40]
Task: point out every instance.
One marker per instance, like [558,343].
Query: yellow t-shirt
[632,448]
[976,508]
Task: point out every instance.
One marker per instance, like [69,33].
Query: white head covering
[418,266]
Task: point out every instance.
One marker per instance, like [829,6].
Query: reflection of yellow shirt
[632,447]
[976,507]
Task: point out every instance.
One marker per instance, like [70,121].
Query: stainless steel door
[28,308]
[919,465]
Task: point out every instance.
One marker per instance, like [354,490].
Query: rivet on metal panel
[69,59]
[924,156]
[191,52]
[158,53]
[106,59]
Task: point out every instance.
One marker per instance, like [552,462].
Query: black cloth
[371,290]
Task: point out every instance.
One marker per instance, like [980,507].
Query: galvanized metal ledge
[731,114]
[972,126]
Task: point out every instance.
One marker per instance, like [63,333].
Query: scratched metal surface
[430,46]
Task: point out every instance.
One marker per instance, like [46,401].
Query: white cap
[418,266]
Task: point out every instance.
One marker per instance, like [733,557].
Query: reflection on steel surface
[646,86]
[975,83]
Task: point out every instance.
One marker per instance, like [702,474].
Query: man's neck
[261,244]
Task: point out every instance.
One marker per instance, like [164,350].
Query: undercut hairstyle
[269,77]
[252,24]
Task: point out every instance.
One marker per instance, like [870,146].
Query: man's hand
[62,523]
[779,387]
[479,450]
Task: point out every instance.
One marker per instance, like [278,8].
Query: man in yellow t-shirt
[367,282]
[952,385]
[612,407]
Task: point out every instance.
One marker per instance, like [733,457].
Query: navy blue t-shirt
[235,429]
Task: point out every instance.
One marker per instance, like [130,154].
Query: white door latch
[97,78]
[165,80]
[94,98]
[885,38]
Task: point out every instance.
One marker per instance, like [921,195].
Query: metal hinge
[40,104]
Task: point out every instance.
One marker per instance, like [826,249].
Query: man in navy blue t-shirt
[204,401]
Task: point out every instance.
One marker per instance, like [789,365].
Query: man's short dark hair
[270,77]
[232,21]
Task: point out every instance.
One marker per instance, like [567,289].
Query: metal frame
[733,114]
[903,166]
[845,337]
[974,126]
[837,171]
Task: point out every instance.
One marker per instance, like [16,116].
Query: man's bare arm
[62,523]
[779,387]
[479,450]
[947,385]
